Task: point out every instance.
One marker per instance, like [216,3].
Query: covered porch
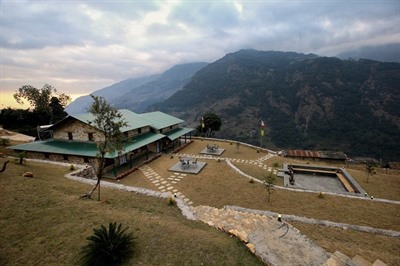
[176,138]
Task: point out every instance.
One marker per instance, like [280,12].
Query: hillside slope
[306,101]
[136,94]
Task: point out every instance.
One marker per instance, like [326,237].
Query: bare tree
[269,181]
[109,122]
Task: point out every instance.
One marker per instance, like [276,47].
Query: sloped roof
[338,155]
[81,148]
[302,153]
[133,120]
[176,133]
[159,120]
[59,147]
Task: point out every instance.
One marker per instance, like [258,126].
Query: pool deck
[322,178]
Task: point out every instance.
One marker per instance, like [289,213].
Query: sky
[82,46]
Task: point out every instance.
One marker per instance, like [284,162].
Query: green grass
[43,221]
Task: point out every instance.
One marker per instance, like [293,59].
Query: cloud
[82,46]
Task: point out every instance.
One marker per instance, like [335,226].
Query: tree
[212,122]
[369,168]
[269,181]
[46,101]
[57,110]
[108,247]
[109,122]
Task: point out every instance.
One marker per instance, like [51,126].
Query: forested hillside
[306,102]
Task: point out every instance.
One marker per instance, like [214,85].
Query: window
[139,131]
[170,127]
[90,137]
[86,159]
[70,137]
[46,155]
[65,157]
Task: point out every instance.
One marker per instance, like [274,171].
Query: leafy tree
[269,181]
[212,122]
[108,247]
[46,102]
[108,121]
[57,110]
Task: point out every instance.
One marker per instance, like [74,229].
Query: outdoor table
[185,161]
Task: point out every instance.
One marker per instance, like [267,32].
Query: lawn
[216,185]
[43,221]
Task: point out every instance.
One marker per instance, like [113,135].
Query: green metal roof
[60,147]
[133,120]
[176,133]
[79,148]
[138,142]
[159,120]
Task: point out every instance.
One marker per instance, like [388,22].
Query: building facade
[73,140]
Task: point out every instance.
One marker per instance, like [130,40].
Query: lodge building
[73,140]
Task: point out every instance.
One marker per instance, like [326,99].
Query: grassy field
[44,222]
[216,185]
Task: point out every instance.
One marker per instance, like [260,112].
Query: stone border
[301,219]
[234,141]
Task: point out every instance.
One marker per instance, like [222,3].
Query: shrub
[321,195]
[251,181]
[275,164]
[72,167]
[108,247]
[4,142]
[171,201]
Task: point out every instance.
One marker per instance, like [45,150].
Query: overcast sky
[83,46]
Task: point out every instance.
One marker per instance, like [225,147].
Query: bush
[275,164]
[4,142]
[108,247]
[72,167]
[171,201]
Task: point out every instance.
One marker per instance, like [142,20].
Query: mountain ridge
[137,93]
[306,101]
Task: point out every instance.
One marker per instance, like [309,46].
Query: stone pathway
[165,185]
[276,243]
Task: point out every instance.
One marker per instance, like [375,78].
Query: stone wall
[60,158]
[80,131]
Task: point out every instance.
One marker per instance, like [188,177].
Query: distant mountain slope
[383,53]
[137,94]
[81,104]
[159,89]
[306,101]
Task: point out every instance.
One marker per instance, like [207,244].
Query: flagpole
[261,133]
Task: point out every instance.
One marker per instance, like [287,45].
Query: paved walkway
[276,243]
[165,184]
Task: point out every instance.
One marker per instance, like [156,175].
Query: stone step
[360,261]
[276,243]
[340,259]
